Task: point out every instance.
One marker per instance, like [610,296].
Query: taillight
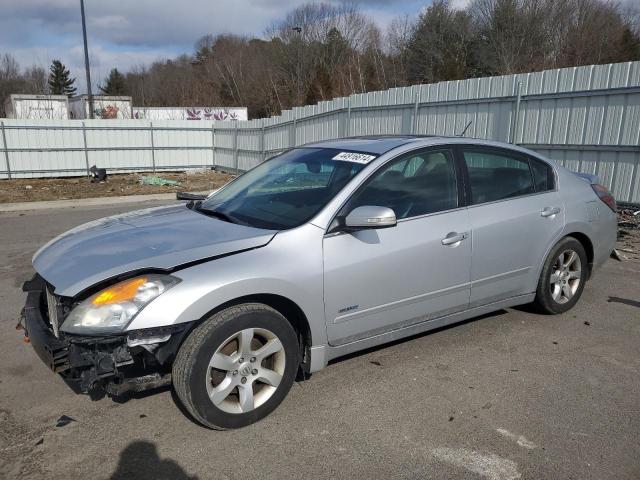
[605,195]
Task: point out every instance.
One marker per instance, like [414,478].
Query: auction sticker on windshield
[354,157]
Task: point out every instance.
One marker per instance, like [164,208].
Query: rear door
[515,213]
[384,279]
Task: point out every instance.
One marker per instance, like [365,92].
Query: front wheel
[563,277]
[237,366]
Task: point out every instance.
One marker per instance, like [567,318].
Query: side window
[497,176]
[413,185]
[542,175]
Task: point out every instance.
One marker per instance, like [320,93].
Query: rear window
[497,176]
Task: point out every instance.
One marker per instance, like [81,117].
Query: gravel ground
[39,189]
[507,396]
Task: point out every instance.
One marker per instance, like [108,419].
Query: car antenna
[465,129]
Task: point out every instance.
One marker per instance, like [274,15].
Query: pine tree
[60,83]
[115,83]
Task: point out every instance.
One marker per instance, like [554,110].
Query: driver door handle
[453,238]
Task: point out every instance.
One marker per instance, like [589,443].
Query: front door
[377,280]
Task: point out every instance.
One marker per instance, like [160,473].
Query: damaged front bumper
[99,365]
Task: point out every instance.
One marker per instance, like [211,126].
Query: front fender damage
[107,365]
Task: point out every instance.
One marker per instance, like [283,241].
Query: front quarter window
[287,190]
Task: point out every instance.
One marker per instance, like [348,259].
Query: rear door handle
[549,211]
[453,238]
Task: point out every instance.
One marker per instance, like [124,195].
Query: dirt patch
[43,189]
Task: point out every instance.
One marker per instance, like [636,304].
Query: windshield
[287,190]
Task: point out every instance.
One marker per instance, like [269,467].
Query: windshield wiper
[215,213]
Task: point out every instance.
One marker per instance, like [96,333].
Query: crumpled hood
[154,238]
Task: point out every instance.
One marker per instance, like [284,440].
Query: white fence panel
[586,118]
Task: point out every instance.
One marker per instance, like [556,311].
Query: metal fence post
[416,106]
[213,145]
[86,152]
[292,132]
[153,148]
[348,126]
[516,115]
[235,147]
[344,120]
[6,151]
[262,152]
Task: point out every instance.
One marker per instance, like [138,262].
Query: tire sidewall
[269,320]
[544,292]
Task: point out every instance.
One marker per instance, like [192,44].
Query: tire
[563,277]
[255,356]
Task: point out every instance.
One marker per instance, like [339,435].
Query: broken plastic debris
[63,421]
[153,180]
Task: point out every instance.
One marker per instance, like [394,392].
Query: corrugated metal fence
[586,118]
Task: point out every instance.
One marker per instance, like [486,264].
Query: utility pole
[86,60]
[298,30]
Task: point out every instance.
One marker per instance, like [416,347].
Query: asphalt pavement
[510,395]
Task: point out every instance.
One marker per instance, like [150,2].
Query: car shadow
[140,461]
[624,301]
[528,308]
[416,336]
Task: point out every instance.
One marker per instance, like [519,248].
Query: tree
[115,83]
[60,82]
[398,36]
[320,87]
[33,80]
[322,50]
[439,48]
[628,45]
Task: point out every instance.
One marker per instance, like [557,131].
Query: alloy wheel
[245,370]
[566,276]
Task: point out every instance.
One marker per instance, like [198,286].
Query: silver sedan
[321,251]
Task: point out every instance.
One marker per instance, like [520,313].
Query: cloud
[140,22]
[126,33]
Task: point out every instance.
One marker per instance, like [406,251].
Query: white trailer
[190,113]
[105,107]
[37,107]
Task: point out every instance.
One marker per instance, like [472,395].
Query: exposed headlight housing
[110,310]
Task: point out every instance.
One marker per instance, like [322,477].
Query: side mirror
[370,217]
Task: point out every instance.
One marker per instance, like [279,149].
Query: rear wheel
[563,277]
[236,367]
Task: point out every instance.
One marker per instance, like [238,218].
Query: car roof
[380,144]
[375,144]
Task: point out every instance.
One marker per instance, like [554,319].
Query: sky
[129,33]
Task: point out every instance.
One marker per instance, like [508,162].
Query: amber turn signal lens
[120,292]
